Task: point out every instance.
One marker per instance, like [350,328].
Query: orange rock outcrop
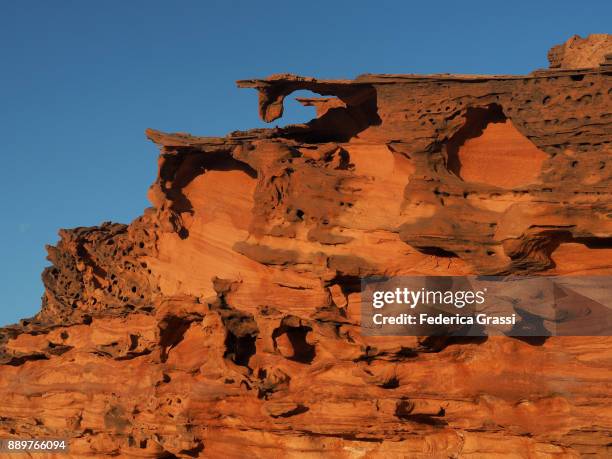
[224,322]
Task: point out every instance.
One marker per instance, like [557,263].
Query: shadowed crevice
[476,120]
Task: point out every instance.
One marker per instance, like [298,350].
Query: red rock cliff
[224,322]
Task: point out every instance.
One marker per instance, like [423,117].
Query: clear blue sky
[81,80]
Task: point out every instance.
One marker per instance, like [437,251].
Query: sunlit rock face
[224,322]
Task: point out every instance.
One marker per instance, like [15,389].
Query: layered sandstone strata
[224,322]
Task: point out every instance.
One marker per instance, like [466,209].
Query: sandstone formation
[224,322]
[578,52]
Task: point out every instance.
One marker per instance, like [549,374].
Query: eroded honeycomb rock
[224,322]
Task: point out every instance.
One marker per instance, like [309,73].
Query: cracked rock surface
[225,321]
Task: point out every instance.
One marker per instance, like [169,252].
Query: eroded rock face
[578,52]
[224,322]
